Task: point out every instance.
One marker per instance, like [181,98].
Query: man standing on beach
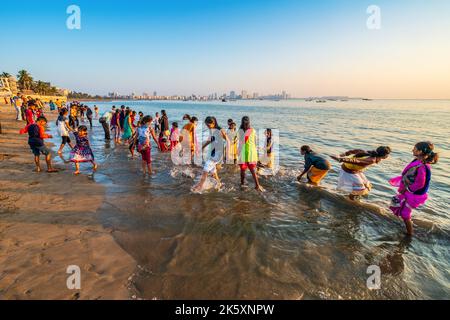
[17,105]
[105,120]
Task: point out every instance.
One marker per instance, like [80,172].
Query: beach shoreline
[47,223]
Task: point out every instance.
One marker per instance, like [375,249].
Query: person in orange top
[188,131]
[36,136]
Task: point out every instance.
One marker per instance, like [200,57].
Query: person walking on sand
[248,154]
[354,163]
[36,136]
[17,105]
[413,184]
[64,128]
[82,151]
[316,166]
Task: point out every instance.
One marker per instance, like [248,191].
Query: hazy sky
[309,48]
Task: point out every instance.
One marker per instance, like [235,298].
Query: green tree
[5,75]
[40,87]
[25,80]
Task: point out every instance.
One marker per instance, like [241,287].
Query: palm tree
[5,75]
[25,80]
[40,87]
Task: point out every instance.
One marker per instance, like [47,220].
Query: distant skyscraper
[232,95]
[255,95]
[244,94]
[155,94]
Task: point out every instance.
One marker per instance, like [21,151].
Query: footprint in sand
[43,260]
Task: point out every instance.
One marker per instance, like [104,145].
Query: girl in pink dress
[82,151]
[413,184]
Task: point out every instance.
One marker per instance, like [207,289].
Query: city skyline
[202,47]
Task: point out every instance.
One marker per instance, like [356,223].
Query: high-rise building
[244,94]
[155,94]
[232,95]
[255,95]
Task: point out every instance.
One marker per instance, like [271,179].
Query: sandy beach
[49,222]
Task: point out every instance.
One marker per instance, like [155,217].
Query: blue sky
[203,46]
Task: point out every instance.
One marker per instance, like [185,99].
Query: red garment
[247,165]
[163,145]
[146,155]
[173,144]
[29,116]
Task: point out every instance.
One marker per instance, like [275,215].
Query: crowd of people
[231,146]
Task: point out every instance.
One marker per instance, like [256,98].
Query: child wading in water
[174,135]
[268,151]
[413,184]
[64,128]
[82,151]
[36,136]
[145,131]
[316,166]
[217,138]
[248,154]
[354,163]
[232,145]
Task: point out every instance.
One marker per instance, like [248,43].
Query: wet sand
[47,222]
